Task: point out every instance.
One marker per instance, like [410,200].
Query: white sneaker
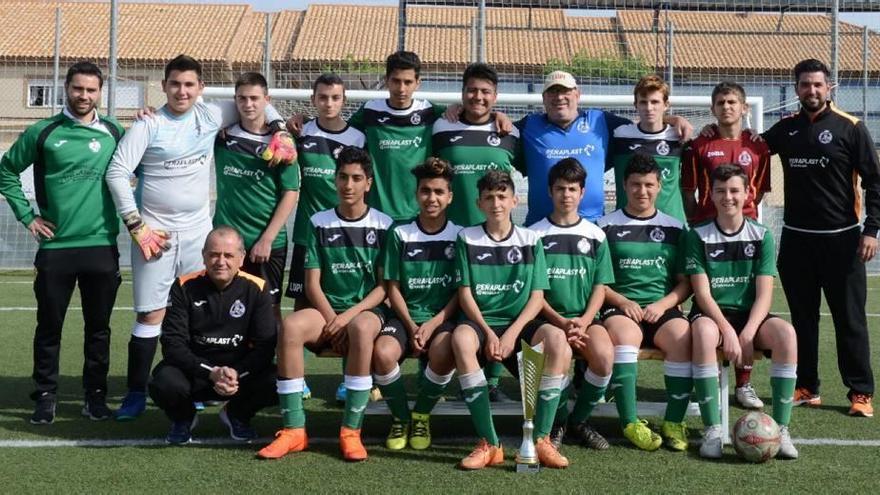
[787,449]
[747,397]
[712,442]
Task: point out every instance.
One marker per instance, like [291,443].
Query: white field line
[290,308]
[460,441]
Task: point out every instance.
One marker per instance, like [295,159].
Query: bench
[603,410]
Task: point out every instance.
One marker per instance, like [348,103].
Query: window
[129,94]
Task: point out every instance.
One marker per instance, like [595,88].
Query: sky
[872,20]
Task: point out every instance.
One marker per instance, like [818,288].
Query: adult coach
[171,153]
[823,246]
[218,341]
[70,152]
[564,131]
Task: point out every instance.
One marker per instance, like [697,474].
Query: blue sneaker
[238,429]
[341,393]
[181,432]
[307,392]
[133,405]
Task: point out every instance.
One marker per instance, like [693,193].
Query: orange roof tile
[335,32]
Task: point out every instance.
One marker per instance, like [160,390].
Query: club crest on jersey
[657,235]
[662,148]
[745,158]
[237,310]
[415,119]
[583,245]
[583,127]
[493,139]
[371,237]
[337,151]
[749,250]
[518,286]
[825,136]
[514,256]
[449,251]
[95,146]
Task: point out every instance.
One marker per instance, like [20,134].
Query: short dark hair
[641,163]
[810,65]
[403,60]
[479,70]
[252,79]
[86,68]
[496,180]
[434,168]
[568,170]
[727,87]
[353,154]
[728,171]
[183,63]
[328,79]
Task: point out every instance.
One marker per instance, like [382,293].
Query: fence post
[56,69]
[112,58]
[401,25]
[267,51]
[835,45]
[866,33]
[670,55]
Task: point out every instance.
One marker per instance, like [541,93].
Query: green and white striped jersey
[731,261]
[665,146]
[348,254]
[501,274]
[317,149]
[577,259]
[646,254]
[398,141]
[472,150]
[424,265]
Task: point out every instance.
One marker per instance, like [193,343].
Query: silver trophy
[531,367]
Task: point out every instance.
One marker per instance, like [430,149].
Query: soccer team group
[404,246]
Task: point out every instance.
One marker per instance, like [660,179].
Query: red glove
[280,150]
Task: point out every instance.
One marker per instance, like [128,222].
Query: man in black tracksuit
[824,151]
[218,342]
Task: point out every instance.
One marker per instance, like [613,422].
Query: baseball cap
[559,78]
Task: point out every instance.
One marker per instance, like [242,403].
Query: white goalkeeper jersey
[172,156]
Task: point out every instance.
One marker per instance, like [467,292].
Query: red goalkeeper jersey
[703,155]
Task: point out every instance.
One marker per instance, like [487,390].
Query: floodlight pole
[866,33]
[670,55]
[481,35]
[112,58]
[56,69]
[835,40]
[267,51]
[401,25]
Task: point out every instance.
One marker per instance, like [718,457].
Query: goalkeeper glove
[280,150]
[152,242]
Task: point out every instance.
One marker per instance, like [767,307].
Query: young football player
[642,305]
[578,268]
[731,144]
[343,286]
[731,264]
[419,266]
[501,277]
[653,137]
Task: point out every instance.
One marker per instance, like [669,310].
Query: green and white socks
[356,399]
[782,384]
[679,383]
[589,396]
[623,382]
[475,390]
[433,386]
[394,393]
[290,401]
[707,394]
[549,392]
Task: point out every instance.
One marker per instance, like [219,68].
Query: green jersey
[348,254]
[398,141]
[665,146]
[424,265]
[472,150]
[731,261]
[248,189]
[646,254]
[317,149]
[577,259]
[501,274]
[70,160]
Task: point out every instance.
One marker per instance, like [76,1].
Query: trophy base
[528,465]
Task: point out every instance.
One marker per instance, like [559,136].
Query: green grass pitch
[206,468]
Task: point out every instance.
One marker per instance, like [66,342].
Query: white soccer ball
[756,437]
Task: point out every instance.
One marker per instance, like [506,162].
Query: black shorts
[510,363]
[649,330]
[272,271]
[297,273]
[395,328]
[737,320]
[380,311]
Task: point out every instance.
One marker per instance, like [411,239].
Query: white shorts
[153,279]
